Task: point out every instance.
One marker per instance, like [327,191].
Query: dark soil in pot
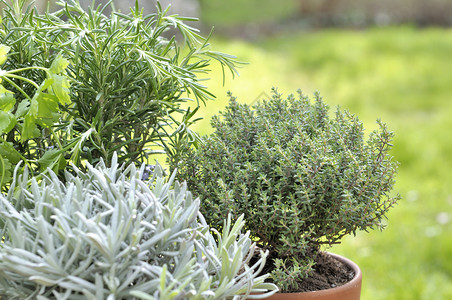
[328,272]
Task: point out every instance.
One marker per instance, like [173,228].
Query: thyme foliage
[303,178]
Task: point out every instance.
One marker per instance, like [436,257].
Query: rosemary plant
[301,177]
[130,79]
[107,234]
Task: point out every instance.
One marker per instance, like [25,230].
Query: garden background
[379,59]
[386,60]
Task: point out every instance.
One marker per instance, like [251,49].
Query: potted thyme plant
[302,177]
[108,234]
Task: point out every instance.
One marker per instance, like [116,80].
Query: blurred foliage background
[321,13]
[379,59]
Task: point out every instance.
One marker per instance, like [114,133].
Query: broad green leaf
[52,159]
[22,108]
[7,150]
[7,100]
[46,83]
[43,110]
[33,111]
[49,156]
[48,110]
[29,129]
[60,88]
[59,64]
[4,53]
[7,121]
[12,123]
[47,105]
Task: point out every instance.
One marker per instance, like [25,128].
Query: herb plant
[303,178]
[28,115]
[107,234]
[129,77]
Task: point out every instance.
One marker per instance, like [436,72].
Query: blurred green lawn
[403,76]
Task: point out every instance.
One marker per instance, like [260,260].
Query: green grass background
[403,76]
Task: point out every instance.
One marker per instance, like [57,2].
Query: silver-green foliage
[302,177]
[107,234]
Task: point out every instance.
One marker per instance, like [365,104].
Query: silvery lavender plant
[108,234]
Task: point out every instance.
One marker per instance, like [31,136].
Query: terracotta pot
[349,291]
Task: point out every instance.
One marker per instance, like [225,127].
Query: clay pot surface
[349,291]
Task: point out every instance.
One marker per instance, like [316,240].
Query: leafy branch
[23,113]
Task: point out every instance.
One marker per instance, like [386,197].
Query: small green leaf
[4,53]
